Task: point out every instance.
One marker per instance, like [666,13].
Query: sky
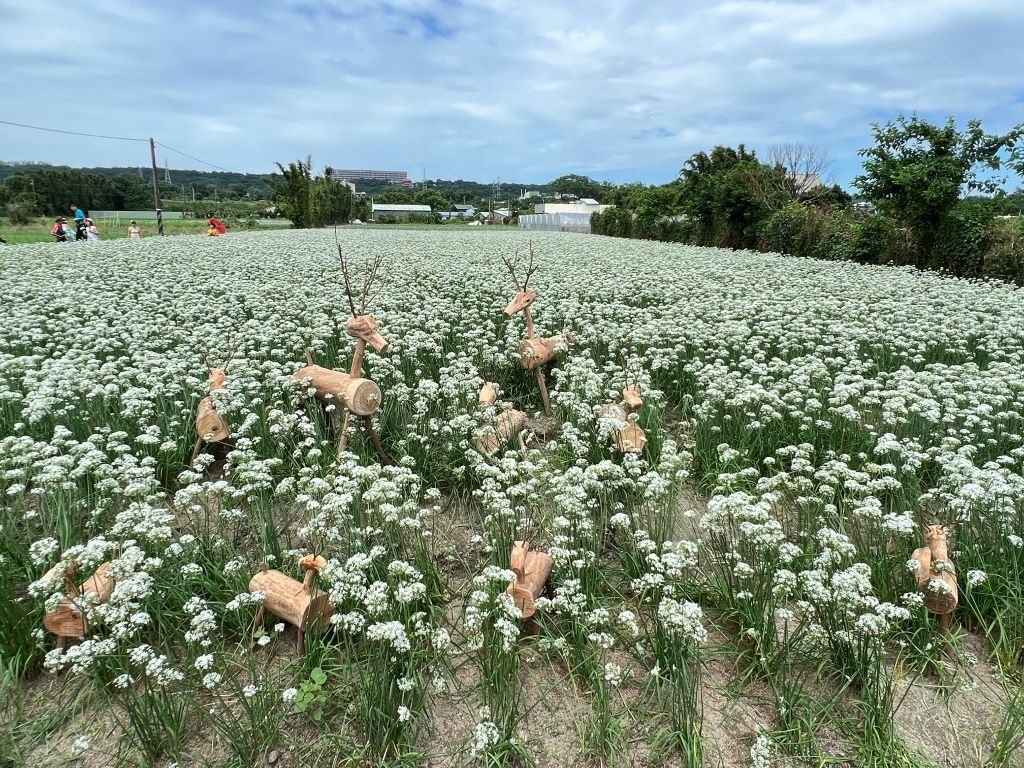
[479,89]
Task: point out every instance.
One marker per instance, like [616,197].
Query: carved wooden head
[520,301]
[218,377]
[365,327]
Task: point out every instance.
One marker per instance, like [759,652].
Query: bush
[873,240]
[834,238]
[19,213]
[1004,257]
[785,231]
[962,240]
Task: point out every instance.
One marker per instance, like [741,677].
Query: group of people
[85,228]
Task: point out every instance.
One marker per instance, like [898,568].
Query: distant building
[864,208]
[804,182]
[459,211]
[529,194]
[348,174]
[398,211]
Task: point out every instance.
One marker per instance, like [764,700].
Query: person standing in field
[58,230]
[79,214]
[92,233]
[134,233]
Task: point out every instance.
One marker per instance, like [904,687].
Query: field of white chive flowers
[740,592]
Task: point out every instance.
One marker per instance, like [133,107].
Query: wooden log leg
[62,642]
[258,621]
[195,452]
[375,439]
[543,391]
[302,643]
[343,432]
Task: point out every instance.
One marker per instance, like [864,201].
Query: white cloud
[480,89]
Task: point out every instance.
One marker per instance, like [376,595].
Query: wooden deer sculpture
[67,620]
[532,570]
[629,436]
[936,577]
[297,602]
[533,351]
[509,423]
[352,393]
[211,426]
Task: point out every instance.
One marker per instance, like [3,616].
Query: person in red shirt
[217,227]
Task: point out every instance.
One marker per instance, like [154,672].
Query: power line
[71,133]
[190,157]
[115,138]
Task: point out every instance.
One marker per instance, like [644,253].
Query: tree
[728,194]
[433,198]
[917,171]
[395,194]
[330,201]
[580,186]
[292,193]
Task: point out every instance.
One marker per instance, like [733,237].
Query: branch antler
[530,268]
[368,294]
[511,267]
[348,282]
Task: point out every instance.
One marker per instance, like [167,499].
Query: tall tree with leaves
[917,172]
[293,192]
[726,195]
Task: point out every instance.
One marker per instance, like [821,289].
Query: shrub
[962,240]
[873,240]
[1004,255]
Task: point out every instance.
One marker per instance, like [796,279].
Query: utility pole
[156,189]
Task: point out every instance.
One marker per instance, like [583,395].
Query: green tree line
[935,195]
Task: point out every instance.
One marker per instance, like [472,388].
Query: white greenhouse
[556,222]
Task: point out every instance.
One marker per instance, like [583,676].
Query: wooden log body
[68,620]
[509,424]
[365,327]
[211,427]
[630,437]
[361,396]
[520,301]
[488,393]
[534,353]
[532,571]
[632,399]
[939,568]
[297,602]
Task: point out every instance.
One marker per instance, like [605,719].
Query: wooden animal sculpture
[509,423]
[936,577]
[350,392]
[68,619]
[297,602]
[211,426]
[532,570]
[533,351]
[629,436]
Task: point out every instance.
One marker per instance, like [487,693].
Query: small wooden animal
[936,577]
[68,619]
[297,602]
